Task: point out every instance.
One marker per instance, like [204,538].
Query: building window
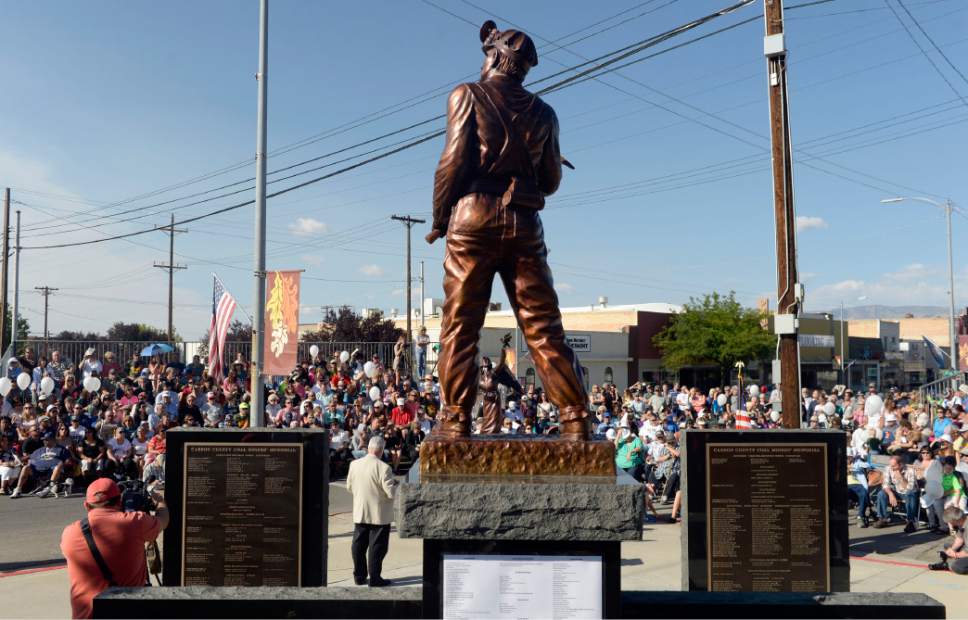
[529,377]
[609,375]
[584,374]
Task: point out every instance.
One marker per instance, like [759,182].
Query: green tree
[77,336]
[137,332]
[345,325]
[237,332]
[714,330]
[23,326]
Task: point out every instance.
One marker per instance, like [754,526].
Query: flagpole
[257,404]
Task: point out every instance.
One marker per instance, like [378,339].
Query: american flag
[223,306]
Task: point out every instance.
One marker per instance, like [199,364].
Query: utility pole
[423,301]
[16,287]
[171,267]
[257,406]
[408,222]
[6,262]
[789,290]
[46,291]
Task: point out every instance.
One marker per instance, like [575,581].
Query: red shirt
[120,537]
[401,416]
[157,444]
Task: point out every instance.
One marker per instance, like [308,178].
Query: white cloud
[306,226]
[371,270]
[805,222]
[847,286]
[564,287]
[912,272]
[913,284]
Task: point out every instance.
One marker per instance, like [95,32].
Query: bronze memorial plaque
[767,525]
[242,517]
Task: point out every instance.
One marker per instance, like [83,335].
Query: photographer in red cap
[107,547]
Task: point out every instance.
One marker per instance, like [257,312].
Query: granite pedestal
[520,516]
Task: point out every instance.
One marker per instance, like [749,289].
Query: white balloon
[47,385]
[830,409]
[92,384]
[314,350]
[23,381]
[374,393]
[5,386]
[344,356]
[369,369]
[721,399]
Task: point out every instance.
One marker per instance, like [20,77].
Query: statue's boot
[573,423]
[452,423]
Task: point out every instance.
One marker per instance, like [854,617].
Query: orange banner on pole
[282,322]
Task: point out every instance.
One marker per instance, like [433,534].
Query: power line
[621,54]
[681,102]
[933,44]
[343,128]
[728,9]
[864,10]
[925,53]
[737,162]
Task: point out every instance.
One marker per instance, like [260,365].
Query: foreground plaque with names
[765,511]
[248,507]
[767,518]
[522,586]
[242,514]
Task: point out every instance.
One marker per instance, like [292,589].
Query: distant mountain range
[888,312]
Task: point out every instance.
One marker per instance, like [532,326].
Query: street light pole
[257,386]
[843,346]
[948,207]
[952,331]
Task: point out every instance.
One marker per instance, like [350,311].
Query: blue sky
[110,100]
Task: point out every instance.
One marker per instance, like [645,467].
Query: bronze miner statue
[500,160]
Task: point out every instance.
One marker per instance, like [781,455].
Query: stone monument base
[405,602]
[515,455]
[550,517]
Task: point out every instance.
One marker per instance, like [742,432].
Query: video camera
[135,496]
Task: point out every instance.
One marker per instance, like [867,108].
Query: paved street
[32,526]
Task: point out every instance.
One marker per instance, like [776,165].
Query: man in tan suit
[371,482]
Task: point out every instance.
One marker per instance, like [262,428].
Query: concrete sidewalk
[652,564]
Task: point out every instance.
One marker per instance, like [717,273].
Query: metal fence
[73,350]
[933,393]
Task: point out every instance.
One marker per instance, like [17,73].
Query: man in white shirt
[650,426]
[90,365]
[373,486]
[682,400]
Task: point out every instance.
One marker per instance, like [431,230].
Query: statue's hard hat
[514,43]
